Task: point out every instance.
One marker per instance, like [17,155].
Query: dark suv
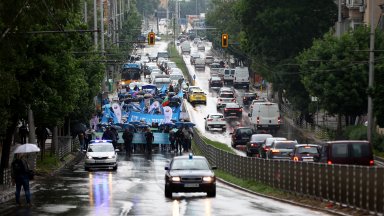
[355,152]
[233,110]
[241,136]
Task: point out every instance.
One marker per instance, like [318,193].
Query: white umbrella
[27,148]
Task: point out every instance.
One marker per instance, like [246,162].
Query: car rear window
[232,105]
[245,131]
[190,164]
[226,95]
[307,150]
[259,137]
[285,145]
[340,150]
[216,116]
[360,150]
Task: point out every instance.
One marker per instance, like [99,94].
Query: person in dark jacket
[20,177]
[172,139]
[42,136]
[128,137]
[179,139]
[149,138]
[23,133]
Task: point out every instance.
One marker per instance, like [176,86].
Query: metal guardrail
[354,186]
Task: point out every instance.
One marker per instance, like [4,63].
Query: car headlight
[110,157]
[207,179]
[175,179]
[89,157]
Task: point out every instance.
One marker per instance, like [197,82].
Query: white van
[241,77]
[228,74]
[185,47]
[265,115]
[159,82]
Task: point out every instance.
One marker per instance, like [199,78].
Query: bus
[130,73]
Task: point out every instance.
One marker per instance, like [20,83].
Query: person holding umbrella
[20,177]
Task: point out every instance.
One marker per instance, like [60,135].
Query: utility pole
[121,14]
[102,26]
[95,22]
[371,74]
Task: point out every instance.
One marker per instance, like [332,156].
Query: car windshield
[100,148]
[307,150]
[285,145]
[190,164]
[232,105]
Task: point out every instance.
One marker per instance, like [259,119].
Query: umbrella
[27,148]
[182,124]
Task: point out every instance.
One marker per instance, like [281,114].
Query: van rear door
[269,114]
[361,153]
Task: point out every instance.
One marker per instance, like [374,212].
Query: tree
[337,73]
[147,7]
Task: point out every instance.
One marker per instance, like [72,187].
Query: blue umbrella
[183,124]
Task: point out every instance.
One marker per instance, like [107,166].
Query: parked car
[249,97]
[240,136]
[354,152]
[233,110]
[264,148]
[224,98]
[189,174]
[215,82]
[197,96]
[306,153]
[216,120]
[281,149]
[254,144]
[100,154]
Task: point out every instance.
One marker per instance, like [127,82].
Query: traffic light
[224,40]
[151,38]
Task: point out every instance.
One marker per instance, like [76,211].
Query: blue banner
[149,118]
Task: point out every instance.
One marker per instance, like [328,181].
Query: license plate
[191,185]
[216,126]
[308,159]
[233,113]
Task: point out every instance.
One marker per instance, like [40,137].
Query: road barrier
[354,186]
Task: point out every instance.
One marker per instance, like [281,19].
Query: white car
[215,120]
[224,98]
[100,154]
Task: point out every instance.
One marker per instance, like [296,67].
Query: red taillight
[220,99]
[225,109]
[329,162]
[279,120]
[244,98]
[258,120]
[233,100]
[222,119]
[295,159]
[253,145]
[371,162]
[210,119]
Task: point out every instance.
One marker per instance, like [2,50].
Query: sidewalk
[8,193]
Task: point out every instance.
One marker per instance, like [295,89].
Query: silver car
[100,154]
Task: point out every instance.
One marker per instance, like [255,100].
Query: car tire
[167,192]
[212,192]
[248,154]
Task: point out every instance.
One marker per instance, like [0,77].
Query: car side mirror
[166,168]
[213,167]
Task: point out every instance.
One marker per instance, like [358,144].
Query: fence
[354,186]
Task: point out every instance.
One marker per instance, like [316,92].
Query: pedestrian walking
[42,136]
[179,140]
[149,138]
[23,133]
[172,139]
[187,138]
[128,137]
[81,138]
[115,137]
[20,177]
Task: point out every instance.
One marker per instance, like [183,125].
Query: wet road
[137,188]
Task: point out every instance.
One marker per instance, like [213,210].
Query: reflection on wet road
[137,188]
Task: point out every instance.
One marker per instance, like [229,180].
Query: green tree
[147,7]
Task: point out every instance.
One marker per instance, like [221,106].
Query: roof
[303,145]
[187,157]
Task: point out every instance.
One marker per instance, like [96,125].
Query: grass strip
[178,59]
[48,164]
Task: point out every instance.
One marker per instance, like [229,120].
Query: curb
[282,200]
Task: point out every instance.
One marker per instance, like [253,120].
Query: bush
[358,132]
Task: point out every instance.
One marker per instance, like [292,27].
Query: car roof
[304,145]
[187,157]
[216,78]
[250,94]
[232,105]
[215,114]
